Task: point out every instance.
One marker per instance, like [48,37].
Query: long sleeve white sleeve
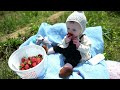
[84,48]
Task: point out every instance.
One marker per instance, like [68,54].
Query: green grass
[110,22]
[11,21]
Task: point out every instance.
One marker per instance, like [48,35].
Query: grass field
[11,21]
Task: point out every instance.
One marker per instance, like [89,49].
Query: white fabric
[84,48]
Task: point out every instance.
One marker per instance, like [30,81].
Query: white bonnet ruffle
[79,17]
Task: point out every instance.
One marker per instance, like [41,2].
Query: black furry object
[71,54]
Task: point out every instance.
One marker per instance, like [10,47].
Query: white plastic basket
[26,51]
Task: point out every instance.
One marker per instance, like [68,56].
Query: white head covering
[79,17]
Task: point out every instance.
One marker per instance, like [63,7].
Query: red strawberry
[69,34]
[22,68]
[29,62]
[22,64]
[33,59]
[27,66]
[29,58]
[23,59]
[25,62]
[38,60]
[34,64]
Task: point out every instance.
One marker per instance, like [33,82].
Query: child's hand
[68,39]
[76,42]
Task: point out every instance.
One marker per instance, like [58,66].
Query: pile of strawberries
[30,62]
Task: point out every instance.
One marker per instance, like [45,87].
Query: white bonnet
[79,17]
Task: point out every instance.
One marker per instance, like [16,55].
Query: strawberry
[38,60]
[69,34]
[34,64]
[22,68]
[27,66]
[29,58]
[33,59]
[22,64]
[25,62]
[23,59]
[29,62]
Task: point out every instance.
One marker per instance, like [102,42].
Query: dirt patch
[53,18]
[14,35]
